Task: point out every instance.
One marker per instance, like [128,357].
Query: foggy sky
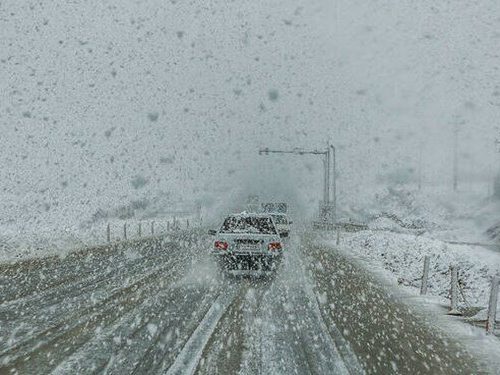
[103,103]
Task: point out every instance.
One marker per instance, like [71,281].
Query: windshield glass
[280,219]
[235,224]
[242,187]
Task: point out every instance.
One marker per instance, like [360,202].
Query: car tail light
[221,245]
[274,246]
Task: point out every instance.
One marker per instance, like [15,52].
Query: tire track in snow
[76,330]
[285,331]
[189,357]
[387,336]
[142,329]
[64,301]
[38,311]
[333,338]
[341,356]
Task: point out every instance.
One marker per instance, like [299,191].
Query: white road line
[189,357]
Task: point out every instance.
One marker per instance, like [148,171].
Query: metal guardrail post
[425,276]
[492,306]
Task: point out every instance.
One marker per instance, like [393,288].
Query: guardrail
[456,291]
[146,228]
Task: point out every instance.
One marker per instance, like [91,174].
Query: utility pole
[420,166]
[455,158]
[328,205]
[334,182]
[496,178]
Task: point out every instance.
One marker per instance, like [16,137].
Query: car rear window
[248,224]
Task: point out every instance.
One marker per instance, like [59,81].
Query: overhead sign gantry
[328,206]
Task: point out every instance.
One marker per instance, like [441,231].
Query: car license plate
[247,247]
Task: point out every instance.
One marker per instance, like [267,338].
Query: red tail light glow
[221,245]
[274,246]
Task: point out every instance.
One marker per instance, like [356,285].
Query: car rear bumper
[247,255]
[245,261]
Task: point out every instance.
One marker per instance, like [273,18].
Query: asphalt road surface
[161,306]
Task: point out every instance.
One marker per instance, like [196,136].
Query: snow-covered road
[160,306]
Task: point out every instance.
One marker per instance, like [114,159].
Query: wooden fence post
[454,291]
[108,233]
[152,228]
[425,276]
[492,306]
[140,230]
[125,231]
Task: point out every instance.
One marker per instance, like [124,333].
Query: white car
[247,242]
[282,223]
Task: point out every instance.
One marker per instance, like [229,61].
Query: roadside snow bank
[451,216]
[402,256]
